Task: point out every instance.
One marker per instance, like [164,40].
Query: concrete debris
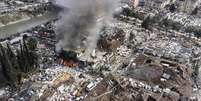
[149,51]
[123,51]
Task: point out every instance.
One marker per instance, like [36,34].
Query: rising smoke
[81,22]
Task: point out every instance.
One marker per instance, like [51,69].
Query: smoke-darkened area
[81,22]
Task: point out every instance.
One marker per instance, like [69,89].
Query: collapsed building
[111,39]
[130,63]
[150,79]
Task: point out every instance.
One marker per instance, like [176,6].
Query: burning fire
[69,63]
[68,58]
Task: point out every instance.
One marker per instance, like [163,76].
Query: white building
[157,3]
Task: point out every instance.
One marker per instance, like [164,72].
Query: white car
[90,86]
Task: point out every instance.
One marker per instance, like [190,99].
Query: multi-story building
[187,5]
[135,3]
[157,3]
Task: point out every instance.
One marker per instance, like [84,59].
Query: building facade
[157,3]
[135,3]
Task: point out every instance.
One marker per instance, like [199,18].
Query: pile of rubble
[130,63]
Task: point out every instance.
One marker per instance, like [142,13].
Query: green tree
[32,44]
[12,57]
[172,8]
[7,69]
[14,65]
[146,23]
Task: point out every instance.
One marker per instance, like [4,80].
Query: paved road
[8,30]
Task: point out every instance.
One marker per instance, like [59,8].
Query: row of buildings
[184,5]
[151,3]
